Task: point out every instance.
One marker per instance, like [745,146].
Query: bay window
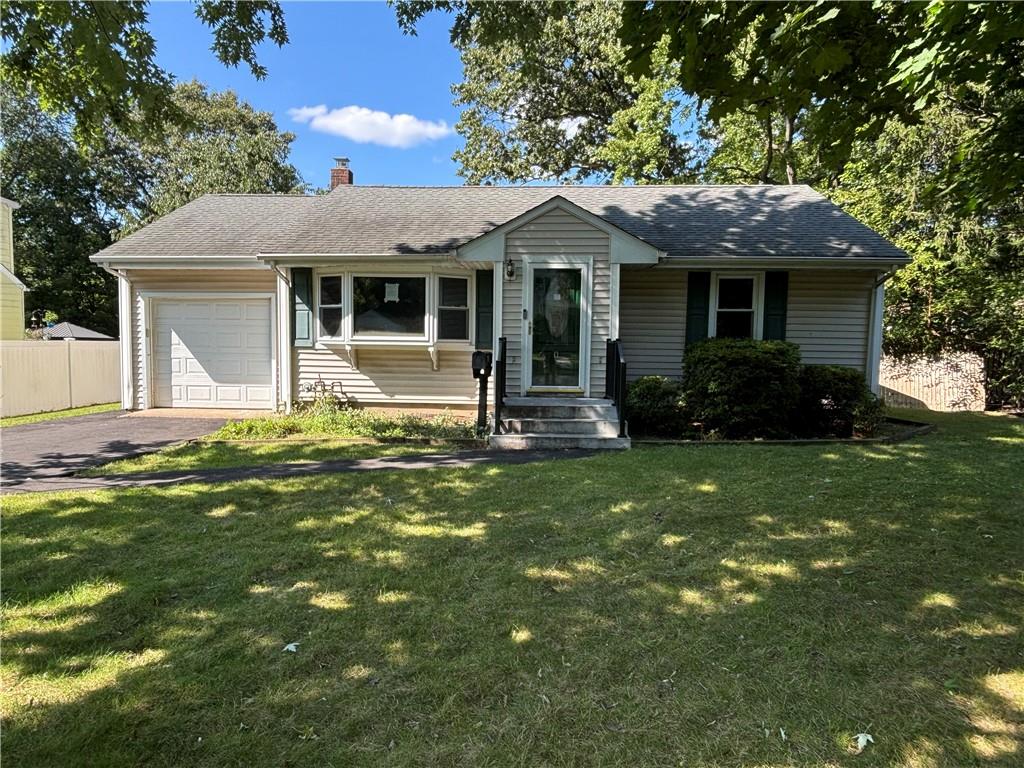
[389,306]
[453,309]
[330,305]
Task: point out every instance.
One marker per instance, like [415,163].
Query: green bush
[868,415]
[830,396]
[654,406]
[739,388]
[325,416]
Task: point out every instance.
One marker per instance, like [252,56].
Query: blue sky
[350,72]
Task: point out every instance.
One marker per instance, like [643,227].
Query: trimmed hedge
[654,405]
[740,388]
[829,397]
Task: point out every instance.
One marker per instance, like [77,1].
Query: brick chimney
[341,173]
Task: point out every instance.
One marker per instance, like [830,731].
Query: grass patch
[33,418]
[203,454]
[326,418]
[671,606]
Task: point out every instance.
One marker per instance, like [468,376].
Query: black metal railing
[615,380]
[499,384]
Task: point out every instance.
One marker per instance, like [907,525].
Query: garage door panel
[212,353]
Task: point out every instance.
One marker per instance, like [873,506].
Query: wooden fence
[38,376]
[952,382]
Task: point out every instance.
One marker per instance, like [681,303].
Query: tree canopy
[95,61]
[74,204]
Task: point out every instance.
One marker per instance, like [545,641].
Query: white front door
[212,353]
[556,329]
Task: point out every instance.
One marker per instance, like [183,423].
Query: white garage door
[213,353]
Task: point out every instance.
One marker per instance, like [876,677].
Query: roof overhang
[624,247]
[787,262]
[305,259]
[13,278]
[177,262]
[10,203]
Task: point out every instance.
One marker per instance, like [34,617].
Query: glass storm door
[555,328]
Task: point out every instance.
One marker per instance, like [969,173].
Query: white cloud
[370,126]
[571,125]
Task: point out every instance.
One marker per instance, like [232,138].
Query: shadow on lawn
[644,608]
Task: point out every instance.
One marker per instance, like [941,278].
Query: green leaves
[95,60]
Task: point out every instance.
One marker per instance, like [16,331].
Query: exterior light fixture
[510,269]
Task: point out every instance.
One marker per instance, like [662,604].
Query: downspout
[284,349]
[125,300]
[876,329]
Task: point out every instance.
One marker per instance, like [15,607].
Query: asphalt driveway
[33,454]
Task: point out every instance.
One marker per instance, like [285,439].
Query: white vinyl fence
[40,376]
[951,382]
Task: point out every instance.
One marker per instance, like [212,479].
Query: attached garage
[212,352]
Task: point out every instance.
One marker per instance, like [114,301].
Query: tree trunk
[769,152]
[787,151]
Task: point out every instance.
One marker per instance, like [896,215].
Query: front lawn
[210,454]
[33,418]
[686,606]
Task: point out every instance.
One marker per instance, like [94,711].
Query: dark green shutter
[485,309]
[776,290]
[698,297]
[302,304]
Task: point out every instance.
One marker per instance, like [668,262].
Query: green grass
[669,606]
[32,418]
[327,419]
[219,455]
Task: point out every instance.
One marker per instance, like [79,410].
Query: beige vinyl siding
[557,234]
[652,320]
[12,298]
[828,314]
[394,375]
[226,280]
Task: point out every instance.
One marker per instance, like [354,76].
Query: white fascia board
[10,203]
[302,259]
[626,249]
[198,262]
[803,262]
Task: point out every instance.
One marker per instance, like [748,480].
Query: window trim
[429,338]
[422,338]
[343,305]
[758,300]
[467,308]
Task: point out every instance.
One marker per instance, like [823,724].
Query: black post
[481,406]
[499,384]
[611,358]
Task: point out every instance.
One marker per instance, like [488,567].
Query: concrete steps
[559,422]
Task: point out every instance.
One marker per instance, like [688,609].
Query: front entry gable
[624,248]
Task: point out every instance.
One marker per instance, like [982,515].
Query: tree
[964,291]
[224,145]
[73,206]
[68,212]
[94,61]
[858,65]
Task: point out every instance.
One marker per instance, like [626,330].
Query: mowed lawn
[690,606]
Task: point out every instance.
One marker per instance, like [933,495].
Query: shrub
[868,415]
[654,406]
[325,415]
[740,388]
[829,397]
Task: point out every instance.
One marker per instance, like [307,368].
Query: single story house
[380,294]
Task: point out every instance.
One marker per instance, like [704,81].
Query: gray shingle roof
[212,226]
[68,330]
[714,222]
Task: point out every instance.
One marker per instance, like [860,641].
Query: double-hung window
[452,309]
[736,306]
[389,307]
[330,305]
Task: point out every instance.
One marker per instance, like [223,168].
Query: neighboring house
[12,290]
[382,293]
[67,330]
